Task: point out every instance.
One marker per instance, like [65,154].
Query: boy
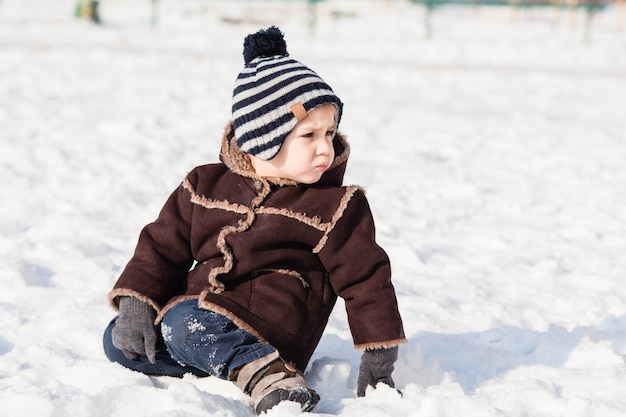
[243,265]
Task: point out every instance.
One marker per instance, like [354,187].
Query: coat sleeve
[360,273]
[162,259]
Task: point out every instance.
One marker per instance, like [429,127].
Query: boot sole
[307,399]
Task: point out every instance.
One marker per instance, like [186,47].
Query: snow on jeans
[209,341]
[198,341]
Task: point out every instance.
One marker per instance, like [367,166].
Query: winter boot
[269,381]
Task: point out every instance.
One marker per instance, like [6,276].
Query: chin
[308,181]
[311,180]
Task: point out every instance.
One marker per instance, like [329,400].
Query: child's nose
[324,146]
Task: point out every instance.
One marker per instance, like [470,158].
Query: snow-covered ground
[493,153]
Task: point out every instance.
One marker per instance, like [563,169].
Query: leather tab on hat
[299,111]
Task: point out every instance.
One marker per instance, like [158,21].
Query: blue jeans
[164,364]
[197,341]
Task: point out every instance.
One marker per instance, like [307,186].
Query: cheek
[303,158]
[301,151]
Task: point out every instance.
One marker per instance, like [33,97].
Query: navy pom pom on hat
[273,93]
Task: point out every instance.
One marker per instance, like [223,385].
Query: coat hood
[239,162]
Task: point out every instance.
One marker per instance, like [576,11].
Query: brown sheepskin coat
[270,254]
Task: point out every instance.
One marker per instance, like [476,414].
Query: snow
[493,154]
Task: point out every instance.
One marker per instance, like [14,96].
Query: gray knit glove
[376,366]
[134,332]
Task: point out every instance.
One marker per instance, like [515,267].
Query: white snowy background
[493,153]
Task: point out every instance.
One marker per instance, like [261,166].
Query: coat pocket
[280,298]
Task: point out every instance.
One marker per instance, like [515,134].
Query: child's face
[307,151]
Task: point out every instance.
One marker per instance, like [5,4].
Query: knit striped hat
[273,93]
